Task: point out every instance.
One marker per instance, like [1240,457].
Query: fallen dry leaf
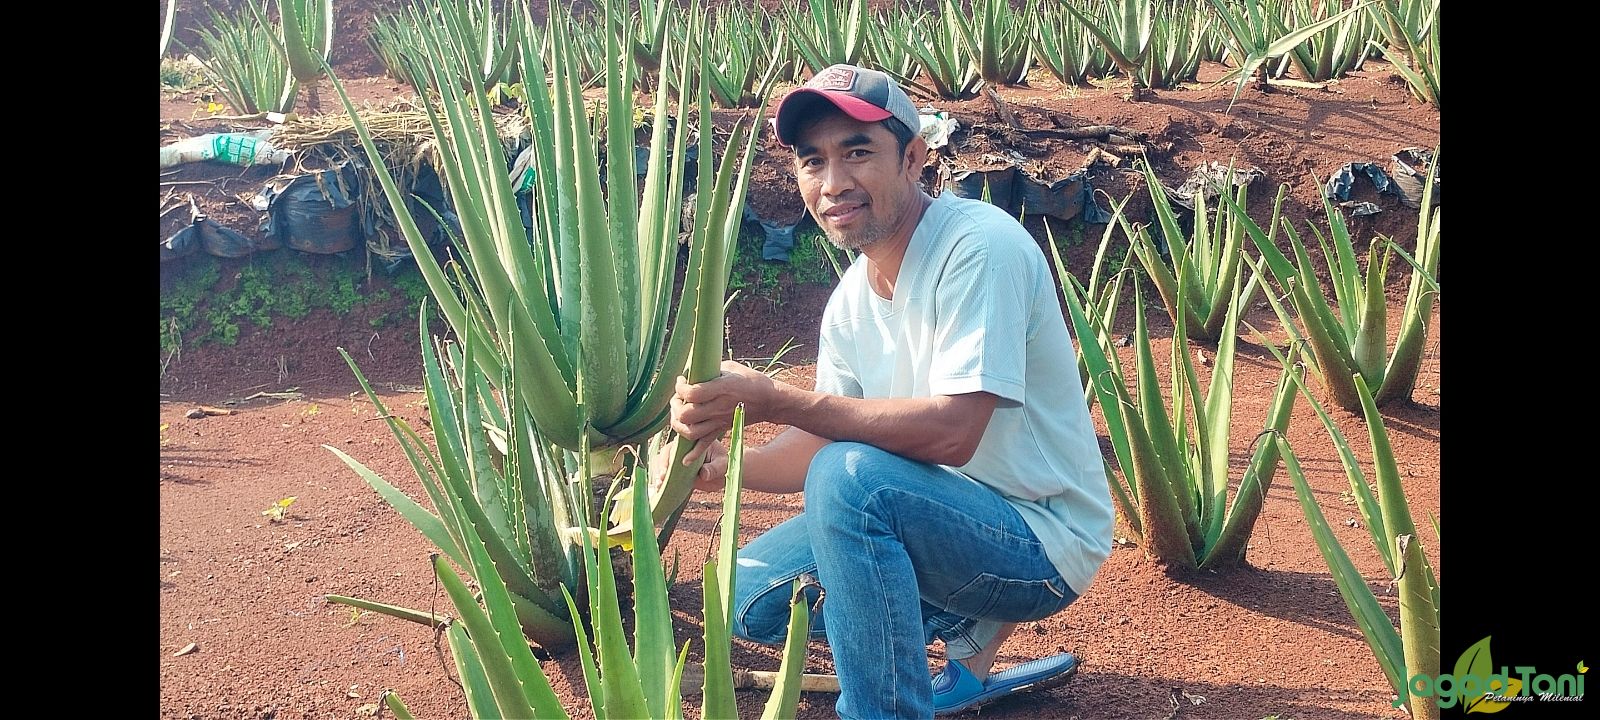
[191,647]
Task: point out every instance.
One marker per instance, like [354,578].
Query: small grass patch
[182,75]
[209,300]
[808,264]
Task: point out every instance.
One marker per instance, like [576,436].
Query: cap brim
[797,104]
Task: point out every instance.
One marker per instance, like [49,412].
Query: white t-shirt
[975,309]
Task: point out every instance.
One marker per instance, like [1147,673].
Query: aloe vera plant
[502,679]
[739,52]
[887,51]
[495,36]
[245,60]
[1257,35]
[830,33]
[935,46]
[1338,49]
[571,328]
[1063,46]
[1124,31]
[493,481]
[1412,29]
[587,43]
[652,31]
[1348,336]
[1175,45]
[1415,648]
[1199,286]
[306,28]
[1171,480]
[996,39]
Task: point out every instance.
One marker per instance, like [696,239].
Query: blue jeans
[905,551]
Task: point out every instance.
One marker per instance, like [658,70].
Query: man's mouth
[843,214]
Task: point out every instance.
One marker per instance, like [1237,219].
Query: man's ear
[916,154]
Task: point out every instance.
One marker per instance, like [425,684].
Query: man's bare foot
[980,664]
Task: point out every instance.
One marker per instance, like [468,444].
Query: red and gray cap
[866,95]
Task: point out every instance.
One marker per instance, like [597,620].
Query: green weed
[807,265]
[181,75]
[217,301]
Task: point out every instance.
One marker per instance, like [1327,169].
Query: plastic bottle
[252,148]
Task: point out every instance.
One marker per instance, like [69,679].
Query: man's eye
[859,153]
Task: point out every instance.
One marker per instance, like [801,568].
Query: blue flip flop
[955,689]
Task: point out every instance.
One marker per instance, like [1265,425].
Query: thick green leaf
[469,667]
[718,689]
[1419,619]
[619,677]
[728,533]
[307,27]
[591,672]
[416,616]
[506,687]
[391,699]
[424,522]
[1163,458]
[1363,605]
[786,692]
[654,650]
[1229,544]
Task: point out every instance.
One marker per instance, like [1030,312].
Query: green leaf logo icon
[1476,661]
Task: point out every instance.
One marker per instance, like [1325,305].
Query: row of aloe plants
[953,49]
[1170,465]
[949,52]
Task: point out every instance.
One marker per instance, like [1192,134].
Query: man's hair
[902,134]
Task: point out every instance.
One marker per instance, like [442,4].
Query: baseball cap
[866,95]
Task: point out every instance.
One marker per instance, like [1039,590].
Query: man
[953,482]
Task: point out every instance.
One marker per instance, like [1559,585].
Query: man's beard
[863,235]
[860,239]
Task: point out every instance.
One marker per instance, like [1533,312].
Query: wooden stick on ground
[694,677]
[1002,108]
[1088,132]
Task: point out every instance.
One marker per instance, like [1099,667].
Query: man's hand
[712,475]
[705,410]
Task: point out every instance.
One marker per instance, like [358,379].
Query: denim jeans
[905,551]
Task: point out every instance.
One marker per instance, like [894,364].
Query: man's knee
[761,609]
[846,474]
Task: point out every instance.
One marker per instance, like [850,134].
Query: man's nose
[836,180]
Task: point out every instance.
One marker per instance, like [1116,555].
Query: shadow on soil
[1310,599]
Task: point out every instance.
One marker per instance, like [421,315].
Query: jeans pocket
[992,597]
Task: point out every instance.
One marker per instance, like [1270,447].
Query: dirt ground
[1270,638]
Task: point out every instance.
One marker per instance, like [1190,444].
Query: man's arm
[780,466]
[943,429]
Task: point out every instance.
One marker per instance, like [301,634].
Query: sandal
[956,689]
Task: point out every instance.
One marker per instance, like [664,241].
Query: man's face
[854,180]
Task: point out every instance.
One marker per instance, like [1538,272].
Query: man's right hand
[713,473]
